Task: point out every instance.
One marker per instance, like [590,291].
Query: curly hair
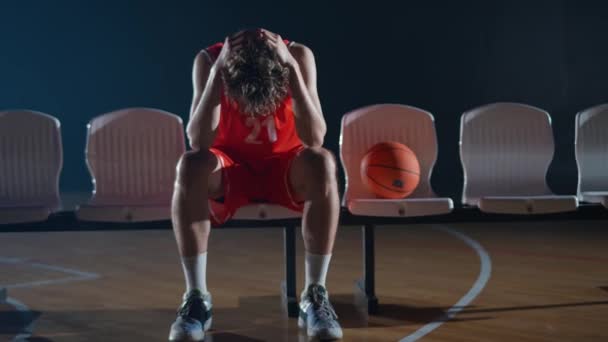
[254,79]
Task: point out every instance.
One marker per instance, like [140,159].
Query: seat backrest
[505,150]
[591,150]
[367,126]
[31,159]
[132,155]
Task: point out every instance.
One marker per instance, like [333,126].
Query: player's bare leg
[198,176]
[313,178]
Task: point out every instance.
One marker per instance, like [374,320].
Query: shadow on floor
[13,322]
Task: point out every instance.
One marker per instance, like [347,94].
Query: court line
[76,275]
[485,272]
[11,260]
[46,282]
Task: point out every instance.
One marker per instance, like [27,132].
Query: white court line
[11,260]
[484,275]
[46,282]
[63,269]
[76,275]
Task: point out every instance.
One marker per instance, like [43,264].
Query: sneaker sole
[302,324]
[198,337]
[207,325]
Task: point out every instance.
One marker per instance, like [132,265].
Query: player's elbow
[194,143]
[319,135]
[193,138]
[199,141]
[315,139]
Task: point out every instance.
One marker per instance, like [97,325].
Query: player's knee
[195,166]
[322,165]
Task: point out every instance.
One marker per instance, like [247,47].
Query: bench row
[505,150]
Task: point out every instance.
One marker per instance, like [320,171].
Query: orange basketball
[390,170]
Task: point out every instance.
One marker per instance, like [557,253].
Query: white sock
[316,268]
[195,271]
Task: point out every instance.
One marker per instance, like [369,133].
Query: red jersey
[254,137]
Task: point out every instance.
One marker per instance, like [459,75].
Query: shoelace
[321,304]
[187,310]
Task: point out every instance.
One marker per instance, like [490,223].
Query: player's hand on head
[237,40]
[220,62]
[231,43]
[278,45]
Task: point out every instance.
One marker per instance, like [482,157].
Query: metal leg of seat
[367,285]
[289,285]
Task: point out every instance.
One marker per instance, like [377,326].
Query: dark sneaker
[193,318]
[317,315]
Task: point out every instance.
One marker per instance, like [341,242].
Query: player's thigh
[201,169]
[310,167]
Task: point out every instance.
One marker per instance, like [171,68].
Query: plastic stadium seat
[363,128]
[505,149]
[31,159]
[592,154]
[132,156]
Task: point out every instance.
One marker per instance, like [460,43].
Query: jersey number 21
[254,136]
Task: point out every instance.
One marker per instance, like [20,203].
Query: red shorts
[253,181]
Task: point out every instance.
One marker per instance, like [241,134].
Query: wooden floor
[548,282]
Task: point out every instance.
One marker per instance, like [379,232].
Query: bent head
[253,77]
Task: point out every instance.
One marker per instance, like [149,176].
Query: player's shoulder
[214,49]
[301,51]
[208,55]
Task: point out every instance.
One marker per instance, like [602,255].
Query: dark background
[79,59]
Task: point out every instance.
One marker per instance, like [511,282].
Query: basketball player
[256,129]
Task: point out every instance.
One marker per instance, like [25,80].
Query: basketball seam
[384,186]
[383,148]
[394,168]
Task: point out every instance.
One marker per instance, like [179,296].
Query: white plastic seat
[599,197]
[264,211]
[367,126]
[132,156]
[591,144]
[31,159]
[505,149]
[526,204]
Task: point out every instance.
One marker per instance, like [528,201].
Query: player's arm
[207,81]
[310,123]
[205,108]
